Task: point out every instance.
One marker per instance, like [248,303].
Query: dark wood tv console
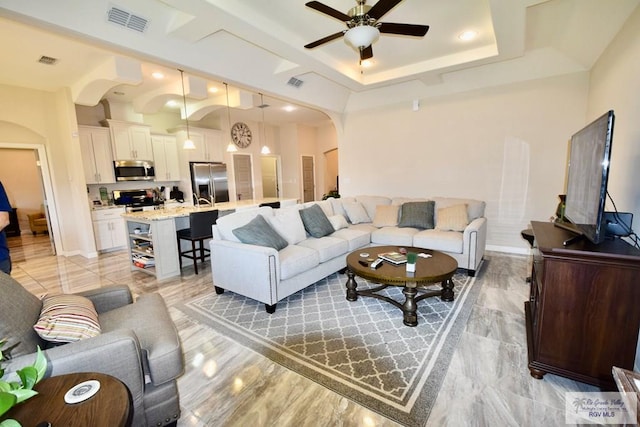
[583,313]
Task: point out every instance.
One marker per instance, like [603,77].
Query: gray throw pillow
[315,221]
[417,214]
[259,232]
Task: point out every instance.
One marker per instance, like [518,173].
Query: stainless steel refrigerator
[209,182]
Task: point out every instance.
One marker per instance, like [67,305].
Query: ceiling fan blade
[382,7]
[328,11]
[403,29]
[366,53]
[324,40]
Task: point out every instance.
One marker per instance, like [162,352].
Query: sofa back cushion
[287,222]
[475,208]
[370,203]
[337,205]
[356,213]
[386,216]
[19,311]
[226,224]
[259,232]
[315,221]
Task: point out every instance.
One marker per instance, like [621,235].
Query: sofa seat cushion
[394,236]
[355,238]
[367,227]
[149,319]
[327,247]
[446,241]
[295,259]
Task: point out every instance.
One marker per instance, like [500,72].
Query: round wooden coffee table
[110,406]
[439,267]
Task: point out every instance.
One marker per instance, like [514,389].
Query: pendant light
[265,147]
[231,147]
[188,143]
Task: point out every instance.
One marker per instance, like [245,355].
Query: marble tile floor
[225,384]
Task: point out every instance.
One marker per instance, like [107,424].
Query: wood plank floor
[225,384]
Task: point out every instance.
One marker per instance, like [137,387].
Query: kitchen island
[151,235]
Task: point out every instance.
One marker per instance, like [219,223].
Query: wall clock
[241,135]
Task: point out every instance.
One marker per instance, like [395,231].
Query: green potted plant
[13,392]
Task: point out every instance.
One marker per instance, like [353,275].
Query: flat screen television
[589,157]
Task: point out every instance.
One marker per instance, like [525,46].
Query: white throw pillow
[356,213]
[287,222]
[386,216]
[338,222]
[452,218]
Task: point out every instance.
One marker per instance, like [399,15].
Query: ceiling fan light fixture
[361,36]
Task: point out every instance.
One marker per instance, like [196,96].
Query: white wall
[505,145]
[615,85]
[31,117]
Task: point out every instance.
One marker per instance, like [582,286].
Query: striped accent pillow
[67,318]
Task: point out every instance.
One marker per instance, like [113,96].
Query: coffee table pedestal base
[410,306]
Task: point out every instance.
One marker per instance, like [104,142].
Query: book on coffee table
[393,257]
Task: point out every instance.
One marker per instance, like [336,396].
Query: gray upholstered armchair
[138,344]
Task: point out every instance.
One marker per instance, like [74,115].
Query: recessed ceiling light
[289,108]
[467,35]
[172,104]
[157,75]
[366,63]
[213,89]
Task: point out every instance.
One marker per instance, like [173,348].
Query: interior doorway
[243,176]
[25,176]
[308,179]
[270,176]
[331,185]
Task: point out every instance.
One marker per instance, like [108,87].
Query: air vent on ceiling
[125,19]
[295,82]
[47,60]
[262,105]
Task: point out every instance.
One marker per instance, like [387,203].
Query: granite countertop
[185,210]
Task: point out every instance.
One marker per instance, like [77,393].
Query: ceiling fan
[363,27]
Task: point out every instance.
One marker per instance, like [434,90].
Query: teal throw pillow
[417,214]
[315,221]
[259,232]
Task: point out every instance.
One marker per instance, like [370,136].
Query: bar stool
[274,205]
[199,230]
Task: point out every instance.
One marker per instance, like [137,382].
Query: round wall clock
[241,135]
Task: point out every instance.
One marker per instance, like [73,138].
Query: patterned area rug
[359,349]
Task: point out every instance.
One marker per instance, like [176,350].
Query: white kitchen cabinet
[97,159]
[109,228]
[165,157]
[130,141]
[208,142]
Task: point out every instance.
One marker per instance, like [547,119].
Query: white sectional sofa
[287,258]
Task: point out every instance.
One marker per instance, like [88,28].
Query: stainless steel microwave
[134,170]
